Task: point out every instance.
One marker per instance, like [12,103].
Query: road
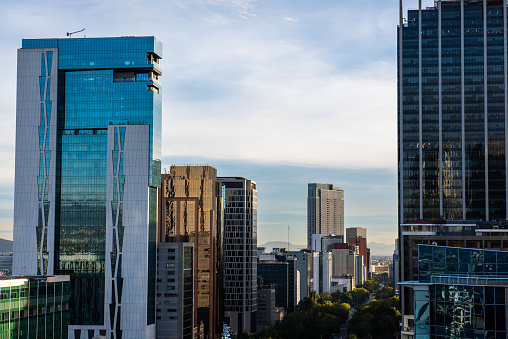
[343,332]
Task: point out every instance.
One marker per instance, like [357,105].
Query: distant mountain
[5,246]
[379,249]
[271,244]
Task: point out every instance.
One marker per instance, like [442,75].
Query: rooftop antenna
[70,34]
[288,239]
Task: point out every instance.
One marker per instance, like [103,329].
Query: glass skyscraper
[88,134]
[460,293]
[452,111]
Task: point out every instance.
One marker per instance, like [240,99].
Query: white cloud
[321,93]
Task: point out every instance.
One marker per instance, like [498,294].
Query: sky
[283,92]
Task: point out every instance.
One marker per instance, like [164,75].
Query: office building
[304,267]
[321,272]
[452,123]
[328,241]
[356,232]
[452,111]
[6,264]
[175,284]
[342,285]
[480,234]
[344,263]
[88,131]
[240,256]
[361,247]
[325,211]
[192,211]
[35,307]
[282,276]
[325,271]
[460,293]
[266,308]
[360,271]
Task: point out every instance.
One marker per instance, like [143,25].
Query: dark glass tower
[87,176]
[452,111]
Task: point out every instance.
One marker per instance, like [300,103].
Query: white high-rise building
[325,211]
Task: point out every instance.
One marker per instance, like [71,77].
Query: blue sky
[284,92]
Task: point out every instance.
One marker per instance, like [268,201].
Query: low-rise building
[34,307]
[266,308]
[460,293]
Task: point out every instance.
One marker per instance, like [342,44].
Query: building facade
[304,267]
[240,253]
[6,264]
[283,277]
[361,248]
[328,241]
[88,131]
[175,290]
[325,211]
[460,293]
[35,307]
[266,308]
[355,232]
[343,263]
[481,235]
[192,211]
[452,112]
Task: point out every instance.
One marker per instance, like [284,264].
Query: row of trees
[321,318]
[378,319]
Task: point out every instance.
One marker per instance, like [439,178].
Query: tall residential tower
[88,131]
[325,211]
[240,257]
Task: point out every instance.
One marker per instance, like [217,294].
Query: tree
[378,319]
[371,285]
[384,293]
[359,295]
[310,320]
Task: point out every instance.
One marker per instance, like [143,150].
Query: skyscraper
[88,131]
[240,256]
[452,111]
[192,211]
[452,128]
[325,211]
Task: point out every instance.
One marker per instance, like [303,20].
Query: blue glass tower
[452,111]
[460,293]
[87,176]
